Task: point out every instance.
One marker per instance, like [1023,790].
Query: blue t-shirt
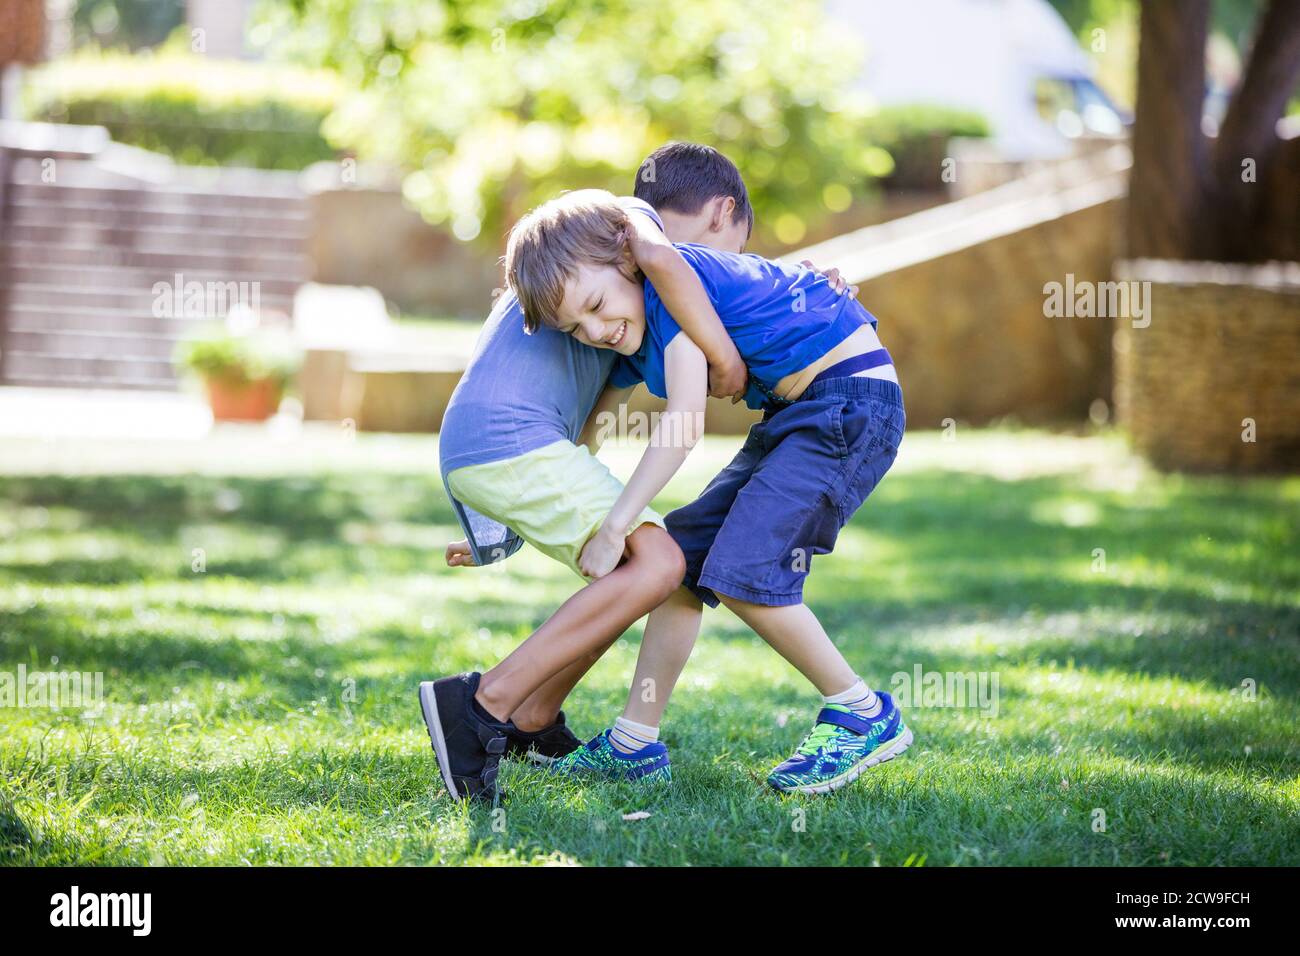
[520,392]
[781,318]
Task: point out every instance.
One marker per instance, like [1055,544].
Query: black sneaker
[542,746]
[468,747]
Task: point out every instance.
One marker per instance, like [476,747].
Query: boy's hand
[601,554]
[729,380]
[459,555]
[834,278]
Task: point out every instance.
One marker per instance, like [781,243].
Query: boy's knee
[659,560]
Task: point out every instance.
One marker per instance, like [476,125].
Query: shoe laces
[818,738]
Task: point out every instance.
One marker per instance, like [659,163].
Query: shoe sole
[539,759]
[429,706]
[882,755]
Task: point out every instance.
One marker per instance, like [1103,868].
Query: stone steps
[35,368]
[79,344]
[82,304]
[164,263]
[51,276]
[92,233]
[215,219]
[91,261]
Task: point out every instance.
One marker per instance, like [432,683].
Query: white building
[1015,62]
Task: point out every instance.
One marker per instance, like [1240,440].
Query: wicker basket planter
[1212,382]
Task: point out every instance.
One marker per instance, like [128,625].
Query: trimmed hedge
[202,111]
[197,110]
[916,136]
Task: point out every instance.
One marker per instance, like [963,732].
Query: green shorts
[556,497]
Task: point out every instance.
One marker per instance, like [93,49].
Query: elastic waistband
[855,364]
[854,387]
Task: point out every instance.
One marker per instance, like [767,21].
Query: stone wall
[370,237]
[968,332]
[1213,382]
[959,291]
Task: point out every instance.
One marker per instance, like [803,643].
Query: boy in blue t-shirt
[833,420]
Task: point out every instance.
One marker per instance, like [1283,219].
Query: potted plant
[245,375]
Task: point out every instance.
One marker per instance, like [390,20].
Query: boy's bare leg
[543,705]
[795,633]
[669,639]
[586,624]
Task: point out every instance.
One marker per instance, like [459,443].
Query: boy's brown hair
[587,226]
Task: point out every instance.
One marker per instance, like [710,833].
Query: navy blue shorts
[802,473]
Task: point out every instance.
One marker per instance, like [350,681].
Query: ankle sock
[859,698]
[628,736]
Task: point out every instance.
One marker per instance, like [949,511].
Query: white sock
[628,736]
[859,698]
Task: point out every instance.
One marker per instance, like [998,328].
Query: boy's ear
[628,265]
[724,208]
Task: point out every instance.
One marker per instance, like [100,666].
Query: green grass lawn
[263,710]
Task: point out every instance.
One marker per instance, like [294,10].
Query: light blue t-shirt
[520,392]
[781,318]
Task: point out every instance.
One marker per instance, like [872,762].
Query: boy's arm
[683,295]
[610,399]
[675,434]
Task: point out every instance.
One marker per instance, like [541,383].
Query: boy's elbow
[658,259]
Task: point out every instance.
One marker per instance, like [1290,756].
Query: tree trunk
[1247,152]
[22,31]
[1167,182]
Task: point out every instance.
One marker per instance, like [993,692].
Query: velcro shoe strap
[849,721]
[494,742]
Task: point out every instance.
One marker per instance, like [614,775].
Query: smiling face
[603,308]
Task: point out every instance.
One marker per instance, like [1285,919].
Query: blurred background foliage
[493,106]
[490,106]
[198,110]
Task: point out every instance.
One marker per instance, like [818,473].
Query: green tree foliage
[198,110]
[495,105]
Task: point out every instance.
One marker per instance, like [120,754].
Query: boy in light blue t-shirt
[517,459]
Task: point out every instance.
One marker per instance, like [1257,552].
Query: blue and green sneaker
[601,758]
[841,746]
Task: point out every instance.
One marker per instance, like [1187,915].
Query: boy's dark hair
[682,177]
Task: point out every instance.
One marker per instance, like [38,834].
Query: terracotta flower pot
[254,401]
